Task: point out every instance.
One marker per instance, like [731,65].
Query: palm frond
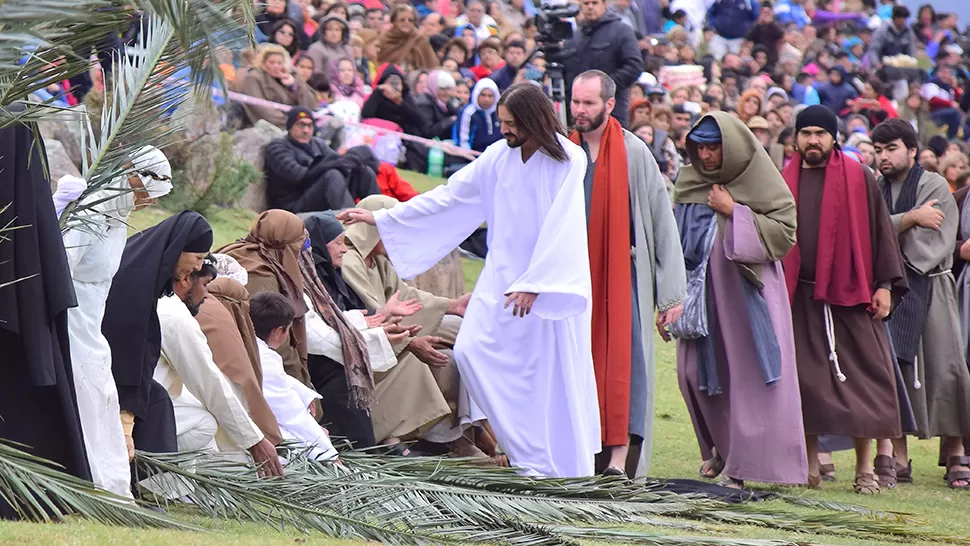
[39,492]
[417,500]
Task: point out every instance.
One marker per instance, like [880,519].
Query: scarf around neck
[843,270]
[610,268]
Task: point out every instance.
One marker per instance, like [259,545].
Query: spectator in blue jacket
[478,126]
[837,92]
[731,21]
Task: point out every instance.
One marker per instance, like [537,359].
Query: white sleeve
[382,356]
[423,230]
[321,339]
[290,410]
[185,347]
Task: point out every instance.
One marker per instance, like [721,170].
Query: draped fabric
[130,319]
[748,174]
[360,379]
[843,274]
[38,405]
[345,298]
[610,269]
[909,317]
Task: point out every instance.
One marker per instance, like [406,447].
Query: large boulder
[197,118]
[58,161]
[198,171]
[248,144]
[445,279]
[65,127]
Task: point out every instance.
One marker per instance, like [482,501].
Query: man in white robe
[94,253]
[524,347]
[208,411]
[289,398]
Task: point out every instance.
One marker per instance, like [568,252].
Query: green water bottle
[436,161]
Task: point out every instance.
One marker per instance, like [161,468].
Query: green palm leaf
[39,492]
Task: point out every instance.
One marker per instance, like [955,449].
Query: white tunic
[186,361]
[290,399]
[532,377]
[94,253]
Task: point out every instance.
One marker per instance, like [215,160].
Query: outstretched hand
[356,216]
[394,307]
[375,320]
[523,303]
[264,454]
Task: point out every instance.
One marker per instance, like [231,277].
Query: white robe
[185,365]
[94,254]
[533,376]
[321,339]
[289,399]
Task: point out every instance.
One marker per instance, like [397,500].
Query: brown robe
[866,404]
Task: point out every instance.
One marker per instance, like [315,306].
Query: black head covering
[324,227]
[38,403]
[818,116]
[33,257]
[939,144]
[130,320]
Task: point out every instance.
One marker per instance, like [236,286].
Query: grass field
[675,455]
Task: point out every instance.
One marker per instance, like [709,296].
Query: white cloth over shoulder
[289,399]
[533,376]
[187,360]
[324,340]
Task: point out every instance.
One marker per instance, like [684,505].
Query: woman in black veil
[38,406]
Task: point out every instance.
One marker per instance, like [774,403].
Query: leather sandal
[885,468]
[904,474]
[827,471]
[715,465]
[866,484]
[729,482]
[953,476]
[814,482]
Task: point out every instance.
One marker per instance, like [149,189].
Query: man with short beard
[626,208]
[925,327]
[842,276]
[204,400]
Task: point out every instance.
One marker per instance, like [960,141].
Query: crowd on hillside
[308,321]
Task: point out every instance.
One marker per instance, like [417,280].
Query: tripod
[557,90]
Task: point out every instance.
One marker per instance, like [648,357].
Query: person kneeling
[272,316]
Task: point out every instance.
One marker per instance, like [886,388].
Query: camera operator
[604,42]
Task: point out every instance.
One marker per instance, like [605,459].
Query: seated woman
[273,12]
[333,43]
[392,101]
[273,80]
[436,106]
[403,44]
[284,34]
[345,83]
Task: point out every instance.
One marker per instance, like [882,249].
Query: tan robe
[412,397]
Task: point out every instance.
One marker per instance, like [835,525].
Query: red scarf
[609,261]
[843,267]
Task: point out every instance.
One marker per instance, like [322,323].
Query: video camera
[554,25]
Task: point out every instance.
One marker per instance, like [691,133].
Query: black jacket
[435,122]
[404,114]
[609,45]
[290,167]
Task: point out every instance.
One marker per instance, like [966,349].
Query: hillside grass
[675,455]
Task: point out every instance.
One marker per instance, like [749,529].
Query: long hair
[535,117]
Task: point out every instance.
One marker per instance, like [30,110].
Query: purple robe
[756,428]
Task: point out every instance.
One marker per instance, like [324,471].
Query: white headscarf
[227,266]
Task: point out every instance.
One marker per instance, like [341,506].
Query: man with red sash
[842,275]
[637,268]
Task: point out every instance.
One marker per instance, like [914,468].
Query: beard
[893,172]
[815,155]
[586,125]
[192,306]
[513,141]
